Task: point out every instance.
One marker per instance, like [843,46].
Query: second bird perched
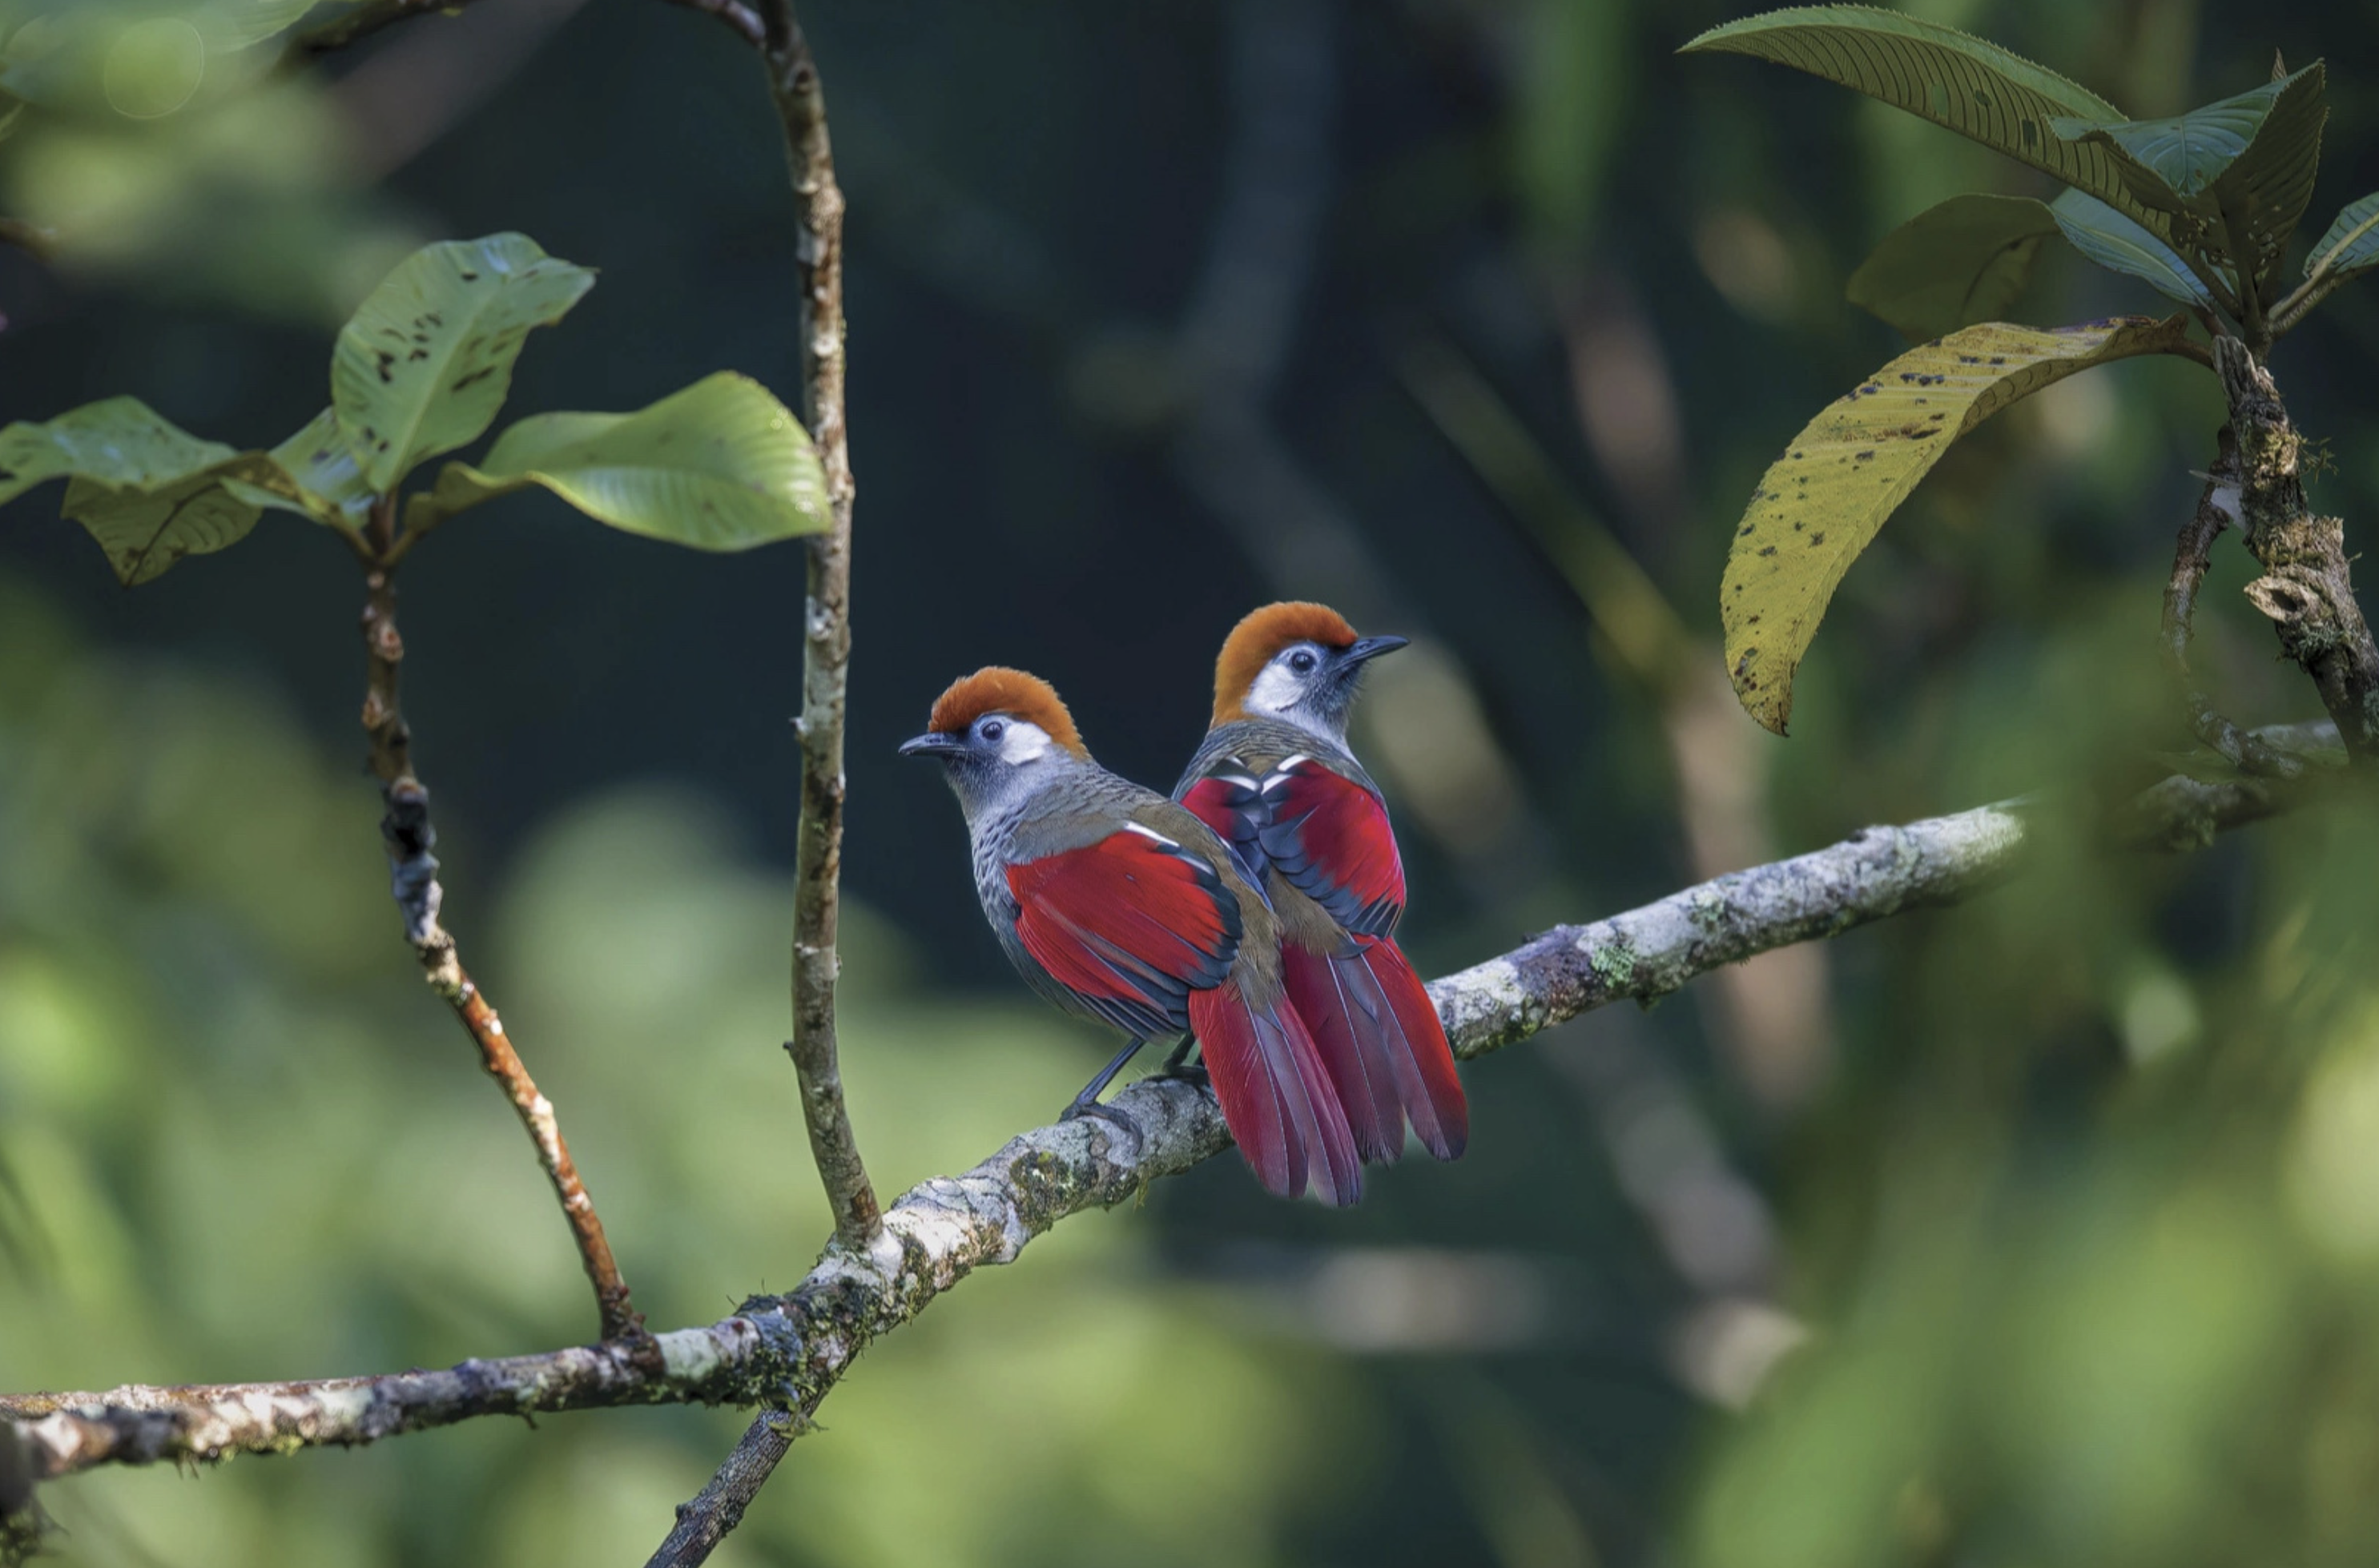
[1275,777]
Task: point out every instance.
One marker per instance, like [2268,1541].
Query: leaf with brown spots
[426,361]
[722,465]
[1826,498]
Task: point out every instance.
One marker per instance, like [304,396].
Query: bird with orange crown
[1124,907]
[1276,779]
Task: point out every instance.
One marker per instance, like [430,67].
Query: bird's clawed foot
[1178,1065]
[1086,1104]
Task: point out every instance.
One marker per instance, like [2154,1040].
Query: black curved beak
[1370,648]
[933,744]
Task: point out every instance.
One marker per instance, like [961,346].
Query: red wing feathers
[1228,801]
[1329,836]
[1132,919]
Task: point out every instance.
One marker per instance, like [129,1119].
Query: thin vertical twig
[2218,508]
[717,1508]
[825,635]
[825,655]
[413,880]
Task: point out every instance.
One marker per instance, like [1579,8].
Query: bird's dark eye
[1302,661]
[993,729]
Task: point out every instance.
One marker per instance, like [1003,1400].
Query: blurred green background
[2044,1230]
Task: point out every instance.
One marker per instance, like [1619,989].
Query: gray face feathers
[995,759]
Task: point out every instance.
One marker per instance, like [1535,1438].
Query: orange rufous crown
[994,689]
[1256,639]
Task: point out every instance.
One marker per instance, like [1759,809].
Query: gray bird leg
[1086,1104]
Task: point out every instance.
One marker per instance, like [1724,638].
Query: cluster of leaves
[421,370]
[2201,206]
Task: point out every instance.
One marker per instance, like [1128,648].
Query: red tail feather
[1379,1038]
[1276,1096]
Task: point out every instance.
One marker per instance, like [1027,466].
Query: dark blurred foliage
[2040,1230]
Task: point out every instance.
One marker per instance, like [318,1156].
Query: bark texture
[826,636]
[2307,589]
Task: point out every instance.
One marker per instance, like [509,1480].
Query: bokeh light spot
[154,67]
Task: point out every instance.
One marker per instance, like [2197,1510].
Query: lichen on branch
[790,1351]
[2307,589]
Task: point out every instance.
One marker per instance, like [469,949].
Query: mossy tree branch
[2307,589]
[790,1351]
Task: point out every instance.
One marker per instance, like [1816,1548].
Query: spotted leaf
[1826,498]
[426,361]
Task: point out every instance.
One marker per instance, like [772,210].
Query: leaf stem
[2253,324]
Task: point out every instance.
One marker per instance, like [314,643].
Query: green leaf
[1936,73]
[2119,244]
[426,362]
[323,483]
[722,465]
[147,490]
[2185,153]
[145,532]
[1828,497]
[2267,190]
[119,442]
[1952,265]
[2351,244]
[2239,172]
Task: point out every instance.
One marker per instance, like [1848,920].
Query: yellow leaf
[1826,498]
